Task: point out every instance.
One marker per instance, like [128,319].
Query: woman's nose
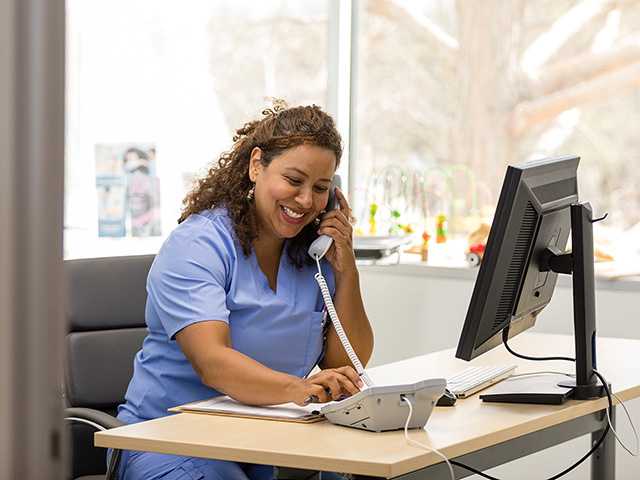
[305,198]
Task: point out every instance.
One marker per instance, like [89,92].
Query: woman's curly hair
[227,181]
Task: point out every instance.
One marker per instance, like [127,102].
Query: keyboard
[474,379]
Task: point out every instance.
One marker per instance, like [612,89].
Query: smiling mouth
[292,214]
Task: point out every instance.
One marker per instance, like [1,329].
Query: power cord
[505,339]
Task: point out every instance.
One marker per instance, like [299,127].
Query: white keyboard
[474,379]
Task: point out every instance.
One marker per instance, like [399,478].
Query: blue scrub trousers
[155,466]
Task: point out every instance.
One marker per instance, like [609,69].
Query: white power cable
[88,422]
[422,445]
[544,372]
[326,296]
[633,427]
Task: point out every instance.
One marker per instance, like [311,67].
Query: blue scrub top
[201,274]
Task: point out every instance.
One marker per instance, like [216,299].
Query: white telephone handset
[322,244]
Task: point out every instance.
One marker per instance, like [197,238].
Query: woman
[233,307]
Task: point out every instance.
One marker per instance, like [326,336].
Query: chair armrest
[100,420]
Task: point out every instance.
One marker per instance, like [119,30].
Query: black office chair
[105,311]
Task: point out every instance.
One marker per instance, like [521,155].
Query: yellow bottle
[441,228]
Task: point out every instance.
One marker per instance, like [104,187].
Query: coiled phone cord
[326,296]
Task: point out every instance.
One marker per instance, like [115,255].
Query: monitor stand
[541,389]
[550,389]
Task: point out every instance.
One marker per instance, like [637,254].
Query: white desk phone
[374,408]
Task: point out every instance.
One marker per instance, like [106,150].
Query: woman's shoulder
[217,217]
[200,245]
[205,229]
[206,222]
[214,215]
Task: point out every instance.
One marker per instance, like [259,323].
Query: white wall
[416,310]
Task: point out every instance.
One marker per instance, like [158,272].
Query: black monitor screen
[511,289]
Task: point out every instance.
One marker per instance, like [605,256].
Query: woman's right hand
[327,385]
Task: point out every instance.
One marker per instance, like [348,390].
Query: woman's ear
[255,164]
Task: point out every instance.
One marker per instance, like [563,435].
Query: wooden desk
[482,435]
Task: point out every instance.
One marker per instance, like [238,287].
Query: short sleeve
[189,279]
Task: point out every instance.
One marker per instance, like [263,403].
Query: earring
[251,192]
[318,219]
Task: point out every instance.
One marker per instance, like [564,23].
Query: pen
[315,399]
[311,399]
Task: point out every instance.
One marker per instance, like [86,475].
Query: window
[445,93]
[448,93]
[163,85]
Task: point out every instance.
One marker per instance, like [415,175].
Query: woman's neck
[268,247]
[268,252]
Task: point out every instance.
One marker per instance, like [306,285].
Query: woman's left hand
[337,225]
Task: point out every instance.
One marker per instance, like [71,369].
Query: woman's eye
[293,181]
[321,189]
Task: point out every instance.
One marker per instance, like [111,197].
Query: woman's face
[293,189]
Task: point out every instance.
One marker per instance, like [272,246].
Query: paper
[226,405]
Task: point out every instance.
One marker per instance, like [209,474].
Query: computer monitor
[537,211]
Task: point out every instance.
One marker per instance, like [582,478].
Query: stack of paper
[223,405]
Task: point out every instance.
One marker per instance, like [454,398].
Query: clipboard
[226,406]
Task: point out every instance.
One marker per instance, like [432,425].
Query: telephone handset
[322,244]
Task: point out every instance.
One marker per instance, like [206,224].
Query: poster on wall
[128,190]
[112,192]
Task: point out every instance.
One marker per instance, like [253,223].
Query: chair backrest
[105,312]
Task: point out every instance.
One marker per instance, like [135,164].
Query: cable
[541,372]
[633,427]
[114,461]
[505,337]
[609,393]
[626,411]
[415,443]
[555,477]
[88,422]
[326,296]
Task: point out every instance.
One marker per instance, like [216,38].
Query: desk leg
[603,460]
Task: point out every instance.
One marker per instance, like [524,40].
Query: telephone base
[381,408]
